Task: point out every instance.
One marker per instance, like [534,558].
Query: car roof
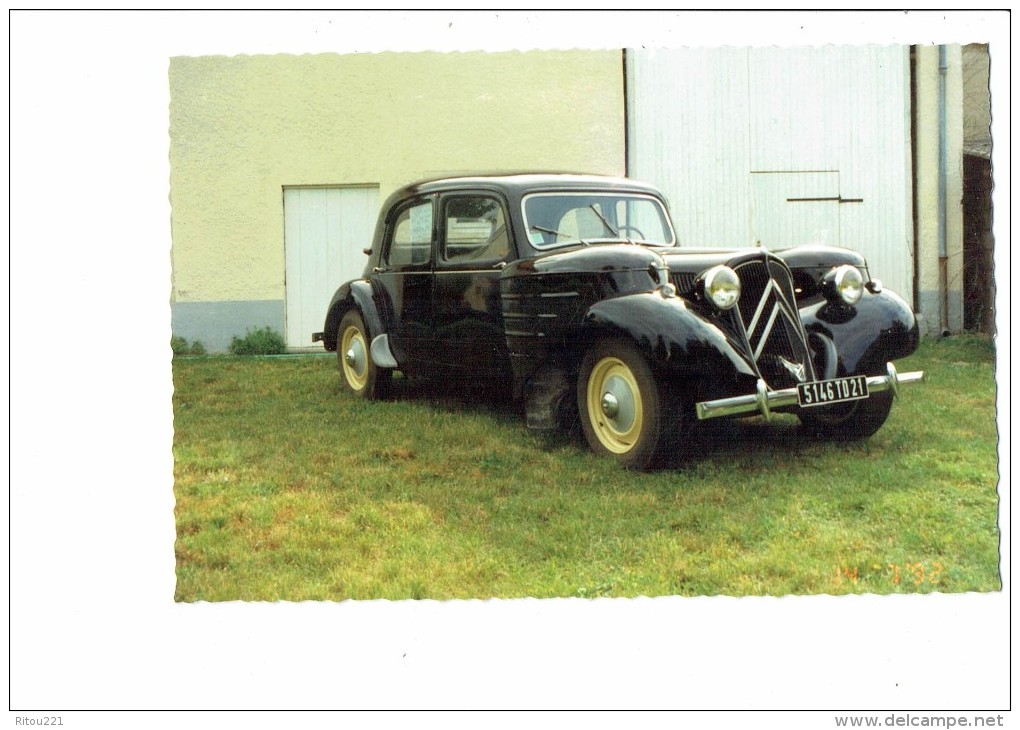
[523,182]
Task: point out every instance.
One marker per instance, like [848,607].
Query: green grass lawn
[288,489]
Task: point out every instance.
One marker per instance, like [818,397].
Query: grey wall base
[215,324]
[930,317]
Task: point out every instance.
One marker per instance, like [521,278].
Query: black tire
[358,373]
[622,405]
[853,421]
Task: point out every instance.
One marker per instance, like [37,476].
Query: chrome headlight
[847,283]
[722,287]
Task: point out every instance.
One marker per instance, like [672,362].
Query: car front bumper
[764,401]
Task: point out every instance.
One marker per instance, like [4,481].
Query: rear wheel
[621,403]
[358,373]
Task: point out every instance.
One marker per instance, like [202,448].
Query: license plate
[837,390]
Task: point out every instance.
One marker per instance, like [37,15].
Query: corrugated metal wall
[744,141]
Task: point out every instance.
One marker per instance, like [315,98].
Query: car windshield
[560,219]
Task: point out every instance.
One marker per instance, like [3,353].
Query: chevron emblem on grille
[795,369]
[765,316]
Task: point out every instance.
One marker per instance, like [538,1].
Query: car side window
[474,229]
[411,236]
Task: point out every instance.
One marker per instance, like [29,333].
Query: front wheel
[358,373]
[621,404]
[853,421]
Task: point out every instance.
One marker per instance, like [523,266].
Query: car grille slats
[769,322]
[684,283]
[754,278]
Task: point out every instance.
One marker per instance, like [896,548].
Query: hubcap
[355,360]
[614,405]
[618,401]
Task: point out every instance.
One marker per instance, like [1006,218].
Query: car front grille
[685,283]
[768,322]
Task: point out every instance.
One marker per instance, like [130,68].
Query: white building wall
[940,278]
[244,128]
[719,129]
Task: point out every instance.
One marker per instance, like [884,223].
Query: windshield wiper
[607,224]
[553,231]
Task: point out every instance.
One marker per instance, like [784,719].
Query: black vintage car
[572,294]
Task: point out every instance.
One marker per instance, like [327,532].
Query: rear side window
[411,236]
[474,230]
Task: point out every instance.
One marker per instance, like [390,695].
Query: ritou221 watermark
[52,720]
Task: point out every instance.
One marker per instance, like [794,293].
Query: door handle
[838,199]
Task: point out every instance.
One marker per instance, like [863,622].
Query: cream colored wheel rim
[354,357]
[614,405]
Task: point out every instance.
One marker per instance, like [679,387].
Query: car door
[404,276]
[474,244]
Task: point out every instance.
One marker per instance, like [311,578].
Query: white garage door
[780,145]
[795,208]
[325,230]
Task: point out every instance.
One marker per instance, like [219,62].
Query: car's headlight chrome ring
[848,283]
[722,287]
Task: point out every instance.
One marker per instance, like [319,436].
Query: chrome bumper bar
[764,400]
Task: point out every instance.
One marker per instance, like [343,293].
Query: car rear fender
[669,333]
[355,294]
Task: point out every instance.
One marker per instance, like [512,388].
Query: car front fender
[669,333]
[878,329]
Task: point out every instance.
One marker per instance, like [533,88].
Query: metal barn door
[781,145]
[795,208]
[325,230]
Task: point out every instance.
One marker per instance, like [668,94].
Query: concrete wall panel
[244,127]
